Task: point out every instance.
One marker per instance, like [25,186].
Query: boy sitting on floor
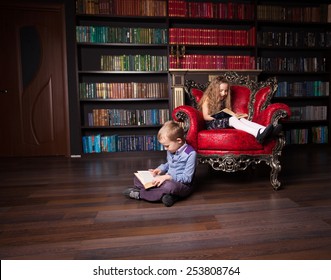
[174,180]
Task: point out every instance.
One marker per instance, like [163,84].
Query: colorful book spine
[308,113]
[316,135]
[320,13]
[292,64]
[120,143]
[156,8]
[208,9]
[302,89]
[123,90]
[212,37]
[133,63]
[121,35]
[296,39]
[212,62]
[123,117]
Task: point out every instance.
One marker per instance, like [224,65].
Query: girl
[217,97]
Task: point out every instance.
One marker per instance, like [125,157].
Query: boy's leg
[134,192]
[138,184]
[168,187]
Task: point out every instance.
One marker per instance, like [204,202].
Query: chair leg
[275,169]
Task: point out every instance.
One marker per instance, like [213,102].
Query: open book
[146,178]
[226,113]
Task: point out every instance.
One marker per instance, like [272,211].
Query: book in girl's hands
[146,178]
[226,113]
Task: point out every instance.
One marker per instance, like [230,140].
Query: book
[226,113]
[146,178]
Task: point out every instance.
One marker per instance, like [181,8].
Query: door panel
[33,102]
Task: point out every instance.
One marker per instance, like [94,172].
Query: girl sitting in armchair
[216,97]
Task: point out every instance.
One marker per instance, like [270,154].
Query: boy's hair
[172,130]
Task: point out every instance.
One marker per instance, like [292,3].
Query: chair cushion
[227,139]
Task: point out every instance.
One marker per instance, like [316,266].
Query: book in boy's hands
[146,178]
[226,113]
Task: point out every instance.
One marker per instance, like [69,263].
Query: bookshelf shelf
[306,122]
[211,21]
[122,127]
[122,72]
[121,45]
[301,98]
[294,73]
[108,17]
[124,100]
[292,23]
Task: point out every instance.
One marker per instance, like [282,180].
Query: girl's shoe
[261,136]
[277,130]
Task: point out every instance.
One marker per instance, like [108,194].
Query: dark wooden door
[33,81]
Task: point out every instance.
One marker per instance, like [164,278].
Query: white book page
[145,176]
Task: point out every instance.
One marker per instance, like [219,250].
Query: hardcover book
[146,178]
[226,113]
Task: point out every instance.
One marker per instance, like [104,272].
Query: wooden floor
[59,208]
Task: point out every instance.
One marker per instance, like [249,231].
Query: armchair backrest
[240,98]
[264,93]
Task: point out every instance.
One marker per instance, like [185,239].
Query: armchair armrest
[272,114]
[192,120]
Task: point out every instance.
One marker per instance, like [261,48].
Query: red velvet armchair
[231,150]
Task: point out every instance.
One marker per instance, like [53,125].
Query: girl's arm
[205,113]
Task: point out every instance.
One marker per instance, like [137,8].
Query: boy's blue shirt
[181,165]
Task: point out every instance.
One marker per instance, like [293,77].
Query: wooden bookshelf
[122,51]
[293,44]
[135,55]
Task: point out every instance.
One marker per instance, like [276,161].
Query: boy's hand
[158,181]
[155,171]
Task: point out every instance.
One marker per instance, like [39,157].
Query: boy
[176,175]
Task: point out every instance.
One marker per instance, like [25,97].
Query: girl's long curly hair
[213,97]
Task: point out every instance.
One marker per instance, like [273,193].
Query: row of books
[212,37]
[108,34]
[120,143]
[122,90]
[299,39]
[212,62]
[123,117]
[122,8]
[208,9]
[202,36]
[302,89]
[321,13]
[292,64]
[133,63]
[308,113]
[317,135]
